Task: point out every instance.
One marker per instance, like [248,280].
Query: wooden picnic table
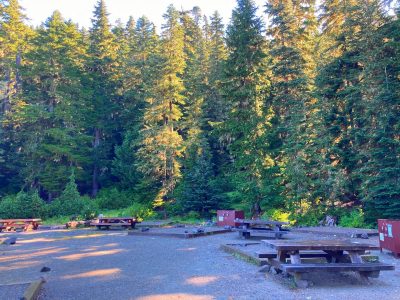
[341,255]
[24,224]
[247,227]
[108,222]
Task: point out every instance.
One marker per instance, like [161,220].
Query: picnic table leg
[244,234]
[298,277]
[281,257]
[336,257]
[35,225]
[355,257]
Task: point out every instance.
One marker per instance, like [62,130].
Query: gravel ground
[12,292]
[89,264]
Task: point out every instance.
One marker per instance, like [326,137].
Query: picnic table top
[118,218]
[19,220]
[260,222]
[327,245]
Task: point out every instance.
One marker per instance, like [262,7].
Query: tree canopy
[292,107]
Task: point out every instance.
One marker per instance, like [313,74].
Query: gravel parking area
[12,292]
[89,264]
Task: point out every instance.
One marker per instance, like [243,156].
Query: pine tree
[14,43]
[51,122]
[292,31]
[198,192]
[102,68]
[245,93]
[341,104]
[140,77]
[345,101]
[215,107]
[161,143]
[14,37]
[379,141]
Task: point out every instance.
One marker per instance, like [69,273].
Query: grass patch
[187,220]
[246,258]
[56,220]
[127,212]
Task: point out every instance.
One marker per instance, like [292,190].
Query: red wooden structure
[229,217]
[389,235]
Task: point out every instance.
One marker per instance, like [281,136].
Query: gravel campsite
[92,264]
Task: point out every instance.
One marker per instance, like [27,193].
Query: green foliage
[354,219]
[112,198]
[277,215]
[161,143]
[309,219]
[191,217]
[140,211]
[22,205]
[300,116]
[71,203]
[245,90]
[79,208]
[56,220]
[197,192]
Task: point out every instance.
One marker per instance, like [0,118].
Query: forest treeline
[296,110]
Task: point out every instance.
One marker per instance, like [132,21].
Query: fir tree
[291,29]
[162,144]
[342,101]
[380,191]
[198,192]
[245,93]
[51,124]
[14,37]
[141,68]
[102,68]
[215,107]
[14,43]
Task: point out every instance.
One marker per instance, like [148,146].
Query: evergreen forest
[287,111]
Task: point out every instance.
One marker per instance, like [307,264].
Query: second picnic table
[107,222]
[247,227]
[341,255]
[24,224]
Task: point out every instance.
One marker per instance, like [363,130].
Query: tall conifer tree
[292,44]
[245,92]
[15,38]
[139,79]
[161,143]
[102,67]
[51,125]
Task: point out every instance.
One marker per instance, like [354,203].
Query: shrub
[71,203]
[80,208]
[23,205]
[113,199]
[90,209]
[353,219]
[193,215]
[9,208]
[276,214]
[140,211]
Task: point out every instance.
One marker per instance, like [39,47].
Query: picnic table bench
[247,227]
[24,224]
[107,223]
[341,256]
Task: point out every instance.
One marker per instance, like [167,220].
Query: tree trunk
[96,144]
[6,101]
[95,183]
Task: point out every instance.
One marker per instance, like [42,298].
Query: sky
[81,11]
